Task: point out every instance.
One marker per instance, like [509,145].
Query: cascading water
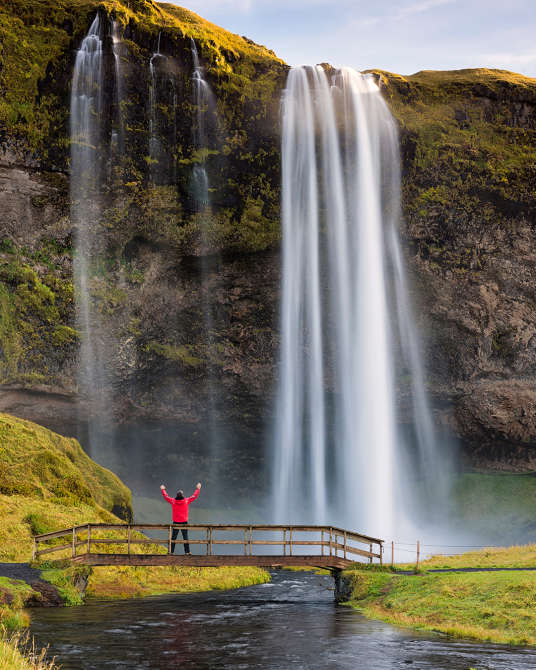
[86,136]
[154,143]
[337,453]
[118,137]
[202,99]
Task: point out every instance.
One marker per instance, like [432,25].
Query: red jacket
[180,507]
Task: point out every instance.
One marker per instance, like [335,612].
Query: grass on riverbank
[488,606]
[136,582]
[18,653]
[490,557]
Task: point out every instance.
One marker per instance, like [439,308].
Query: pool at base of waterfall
[292,622]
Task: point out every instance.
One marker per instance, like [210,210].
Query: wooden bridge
[221,545]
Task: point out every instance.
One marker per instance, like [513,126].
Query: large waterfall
[338,455]
[86,175]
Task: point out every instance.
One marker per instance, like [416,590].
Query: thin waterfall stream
[338,452]
[86,132]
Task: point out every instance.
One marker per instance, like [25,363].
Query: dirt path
[32,576]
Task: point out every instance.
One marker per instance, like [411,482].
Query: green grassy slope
[47,482]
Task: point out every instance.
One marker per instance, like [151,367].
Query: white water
[154,142]
[86,131]
[338,456]
[118,137]
[203,97]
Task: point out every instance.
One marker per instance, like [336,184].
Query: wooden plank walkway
[200,561]
[220,544]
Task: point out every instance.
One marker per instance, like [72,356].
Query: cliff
[468,149]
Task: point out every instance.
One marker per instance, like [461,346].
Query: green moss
[180,354]
[64,335]
[66,580]
[36,309]
[469,157]
[35,461]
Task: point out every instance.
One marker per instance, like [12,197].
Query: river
[292,622]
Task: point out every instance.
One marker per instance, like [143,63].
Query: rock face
[468,144]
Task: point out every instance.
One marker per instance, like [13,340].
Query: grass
[14,595]
[136,582]
[36,462]
[491,557]
[18,653]
[495,607]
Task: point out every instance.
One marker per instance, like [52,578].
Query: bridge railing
[236,538]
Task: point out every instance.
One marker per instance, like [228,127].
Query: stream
[292,622]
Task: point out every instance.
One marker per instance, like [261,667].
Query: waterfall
[154,142]
[86,175]
[338,454]
[118,137]
[202,99]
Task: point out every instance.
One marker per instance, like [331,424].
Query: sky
[401,36]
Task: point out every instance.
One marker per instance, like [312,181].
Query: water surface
[291,623]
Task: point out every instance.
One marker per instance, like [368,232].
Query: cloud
[420,7]
[402,13]
[200,6]
[510,58]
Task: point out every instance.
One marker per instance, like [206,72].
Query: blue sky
[404,36]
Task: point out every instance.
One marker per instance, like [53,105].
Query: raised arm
[196,493]
[166,497]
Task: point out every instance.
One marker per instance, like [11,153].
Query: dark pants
[174,534]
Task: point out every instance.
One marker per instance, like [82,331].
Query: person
[180,506]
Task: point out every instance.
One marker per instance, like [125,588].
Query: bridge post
[129,533]
[169,540]
[89,538]
[74,542]
[284,541]
[381,553]
[322,542]
[34,550]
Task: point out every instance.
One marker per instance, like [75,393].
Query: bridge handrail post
[370,557]
[169,539]
[250,541]
[206,539]
[89,538]
[290,543]
[129,534]
[34,550]
[74,541]
[210,539]
[331,541]
[284,541]
[345,540]
[245,542]
[322,542]
[381,553]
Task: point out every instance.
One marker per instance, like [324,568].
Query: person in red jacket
[180,505]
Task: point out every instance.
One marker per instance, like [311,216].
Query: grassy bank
[48,483]
[18,653]
[132,582]
[488,606]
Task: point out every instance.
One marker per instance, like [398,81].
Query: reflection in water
[290,623]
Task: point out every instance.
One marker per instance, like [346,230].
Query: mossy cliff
[468,143]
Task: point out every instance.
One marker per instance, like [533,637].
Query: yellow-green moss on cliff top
[38,39]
